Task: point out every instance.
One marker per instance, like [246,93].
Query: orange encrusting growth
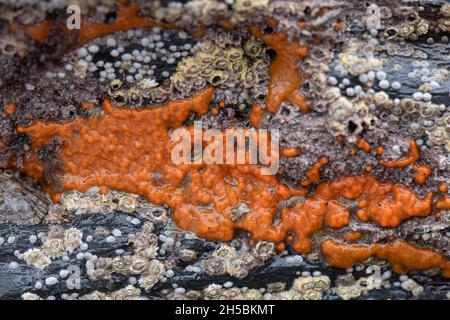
[422,172]
[10,108]
[127,18]
[402,255]
[413,156]
[256,115]
[39,32]
[379,150]
[443,203]
[130,150]
[352,236]
[291,152]
[313,175]
[285,79]
[363,145]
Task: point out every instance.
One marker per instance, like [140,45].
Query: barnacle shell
[127,204]
[72,239]
[214,266]
[405,30]
[95,295]
[138,265]
[147,252]
[225,252]
[236,268]
[187,255]
[213,292]
[422,27]
[154,273]
[263,250]
[37,258]
[121,264]
[53,248]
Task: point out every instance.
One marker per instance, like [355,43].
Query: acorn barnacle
[199,83]
[138,265]
[225,251]
[253,48]
[405,30]
[103,263]
[207,47]
[53,247]
[220,63]
[439,135]
[37,258]
[143,240]
[250,78]
[312,295]
[120,264]
[276,286]
[214,266]
[322,282]
[187,255]
[155,272]
[128,293]
[72,239]
[236,268]
[234,39]
[213,292]
[147,252]
[263,250]
[217,78]
[182,83]
[134,97]
[390,33]
[235,54]
[303,283]
[409,105]
[119,97]
[95,295]
[127,204]
[160,94]
[116,84]
[380,98]
[428,111]
[422,27]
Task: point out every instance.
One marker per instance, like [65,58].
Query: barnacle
[10,46]
[392,32]
[72,239]
[130,292]
[134,97]
[53,248]
[225,252]
[115,84]
[95,295]
[187,255]
[154,274]
[37,258]
[147,252]
[127,204]
[263,250]
[422,27]
[120,264]
[119,97]
[213,292]
[214,266]
[405,30]
[138,265]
